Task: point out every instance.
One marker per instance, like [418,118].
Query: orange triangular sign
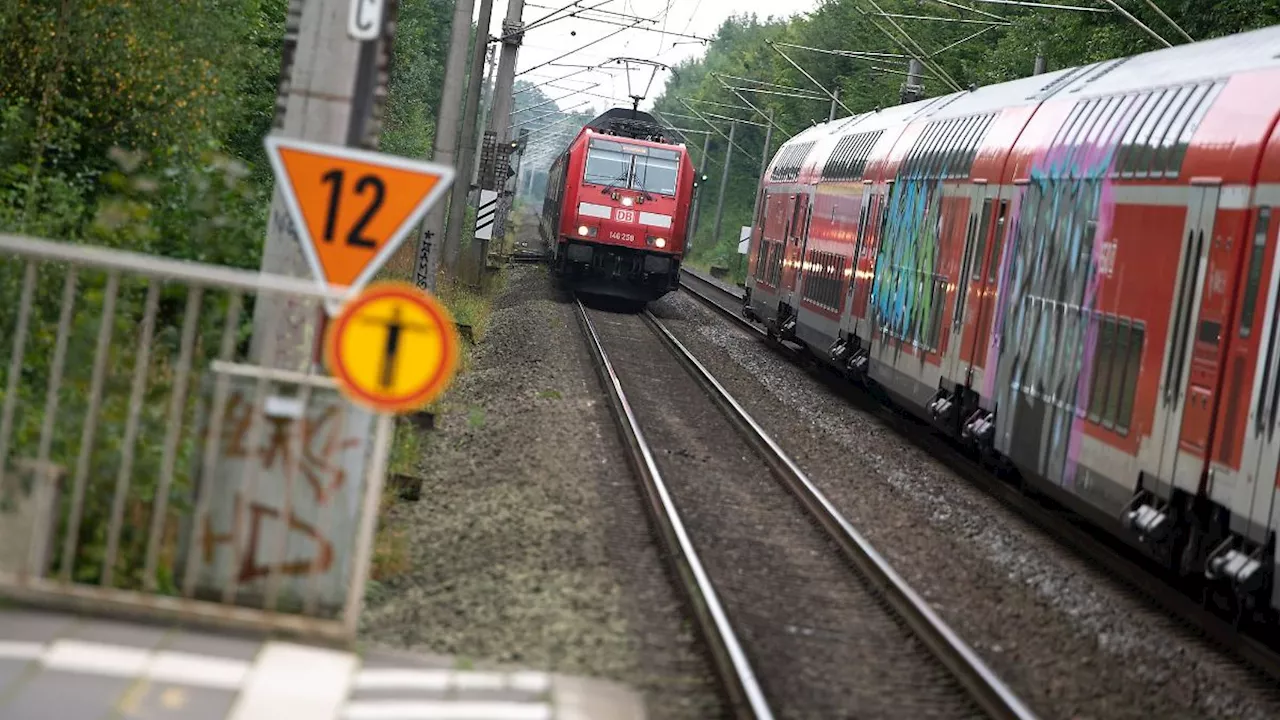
[352,208]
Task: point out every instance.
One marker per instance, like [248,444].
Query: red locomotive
[1075,273]
[617,206]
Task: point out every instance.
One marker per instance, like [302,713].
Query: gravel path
[1064,636]
[530,544]
[819,640]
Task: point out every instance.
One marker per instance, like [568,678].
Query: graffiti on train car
[1047,320]
[906,294]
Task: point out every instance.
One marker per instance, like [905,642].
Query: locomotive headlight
[626,202]
[660,242]
[582,230]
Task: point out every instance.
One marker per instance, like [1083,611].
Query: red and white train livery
[1076,272]
[616,208]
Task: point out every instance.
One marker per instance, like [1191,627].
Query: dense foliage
[138,124]
[1064,38]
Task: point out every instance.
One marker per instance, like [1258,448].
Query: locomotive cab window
[655,175]
[634,167]
[607,164]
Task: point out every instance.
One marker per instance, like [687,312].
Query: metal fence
[148,463]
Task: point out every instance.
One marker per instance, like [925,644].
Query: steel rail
[731,662]
[986,689]
[1134,572]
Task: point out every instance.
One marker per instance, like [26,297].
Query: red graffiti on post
[313,454]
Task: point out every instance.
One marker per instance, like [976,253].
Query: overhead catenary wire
[584,47]
[951,3]
[1169,20]
[939,18]
[717,130]
[962,40]
[1139,23]
[922,57]
[702,40]
[773,85]
[763,91]
[1046,6]
[812,79]
[760,112]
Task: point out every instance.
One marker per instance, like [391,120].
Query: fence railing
[150,463]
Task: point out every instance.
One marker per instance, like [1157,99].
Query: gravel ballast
[818,638]
[1067,638]
[530,544]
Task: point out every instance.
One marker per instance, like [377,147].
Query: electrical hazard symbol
[392,349]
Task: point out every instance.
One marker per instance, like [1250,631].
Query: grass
[469,306]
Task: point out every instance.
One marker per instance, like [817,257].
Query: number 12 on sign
[352,208]
[334,177]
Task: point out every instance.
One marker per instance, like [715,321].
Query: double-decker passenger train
[616,208]
[1076,274]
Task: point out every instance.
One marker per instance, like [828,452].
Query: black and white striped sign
[485,214]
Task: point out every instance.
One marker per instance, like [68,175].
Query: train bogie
[1074,273]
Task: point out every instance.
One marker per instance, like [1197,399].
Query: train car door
[797,237]
[869,257]
[1184,395]
[968,282]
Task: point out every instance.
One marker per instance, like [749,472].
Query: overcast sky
[547,42]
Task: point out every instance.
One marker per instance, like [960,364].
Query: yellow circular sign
[392,349]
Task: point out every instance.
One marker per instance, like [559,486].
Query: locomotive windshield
[655,175]
[607,167]
[652,170]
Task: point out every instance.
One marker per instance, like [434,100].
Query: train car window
[1129,384]
[927,142]
[981,135]
[1075,131]
[962,284]
[913,162]
[1142,109]
[1163,158]
[1086,142]
[1104,367]
[1059,138]
[1104,126]
[1153,158]
[941,150]
[1179,152]
[984,227]
[952,146]
[960,151]
[1138,158]
[997,242]
[1254,276]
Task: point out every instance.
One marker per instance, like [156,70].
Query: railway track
[1125,564]
[802,617]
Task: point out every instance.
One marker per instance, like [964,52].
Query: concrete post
[500,115]
[724,183]
[486,102]
[1039,69]
[462,188]
[835,97]
[764,161]
[446,142]
[697,198]
[328,91]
